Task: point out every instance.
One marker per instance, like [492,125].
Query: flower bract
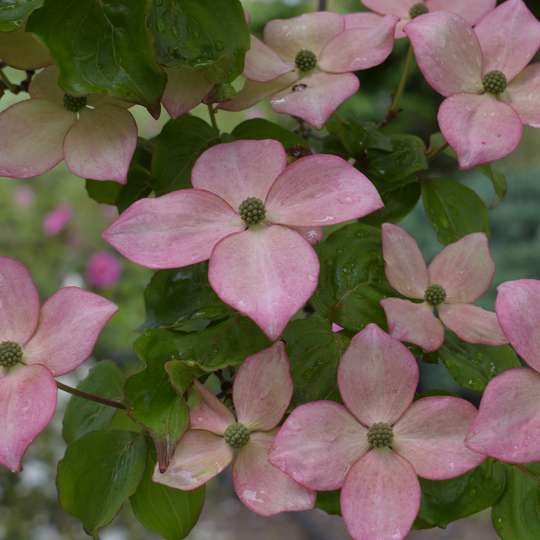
[458,276]
[262,391]
[481,122]
[374,447]
[266,270]
[54,340]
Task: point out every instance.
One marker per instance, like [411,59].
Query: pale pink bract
[269,270]
[55,340]
[324,446]
[464,269]
[508,423]
[262,391]
[314,95]
[37,134]
[481,126]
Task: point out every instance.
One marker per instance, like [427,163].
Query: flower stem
[213,119]
[432,154]
[9,85]
[322,5]
[401,88]
[90,397]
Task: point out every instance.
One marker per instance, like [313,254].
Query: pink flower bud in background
[256,113]
[56,220]
[24,196]
[103,270]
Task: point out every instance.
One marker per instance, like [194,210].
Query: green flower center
[252,210]
[435,294]
[74,104]
[10,353]
[494,82]
[380,435]
[418,9]
[236,435]
[305,60]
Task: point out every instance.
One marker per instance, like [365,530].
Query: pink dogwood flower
[261,261]
[471,10]
[374,447]
[306,62]
[56,220]
[37,345]
[96,141]
[508,423]
[262,391]
[483,73]
[103,269]
[458,276]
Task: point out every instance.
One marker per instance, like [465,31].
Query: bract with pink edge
[51,340]
[462,273]
[268,270]
[374,447]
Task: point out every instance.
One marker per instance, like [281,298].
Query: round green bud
[418,9]
[494,82]
[252,210]
[305,60]
[380,435]
[74,104]
[236,435]
[10,353]
[435,294]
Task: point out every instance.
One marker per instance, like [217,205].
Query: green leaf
[105,380]
[99,471]
[164,510]
[516,514]
[497,179]
[258,129]
[314,352]
[358,136]
[444,501]
[137,186]
[223,344]
[399,200]
[176,149]
[154,403]
[473,366]
[352,281]
[329,501]
[453,210]
[102,48]
[420,524]
[407,157]
[197,33]
[333,145]
[179,296]
[13,13]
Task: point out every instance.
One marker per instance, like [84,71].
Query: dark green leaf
[333,145]
[179,296]
[399,201]
[197,33]
[444,501]
[453,210]
[153,402]
[407,157]
[497,179]
[352,281]
[164,510]
[102,48]
[105,380]
[314,352]
[473,366]
[137,186]
[258,129]
[516,514]
[329,501]
[176,149]
[99,471]
[358,136]
[420,524]
[13,13]
[227,343]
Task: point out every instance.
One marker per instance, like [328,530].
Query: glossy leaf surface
[13,13]
[258,129]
